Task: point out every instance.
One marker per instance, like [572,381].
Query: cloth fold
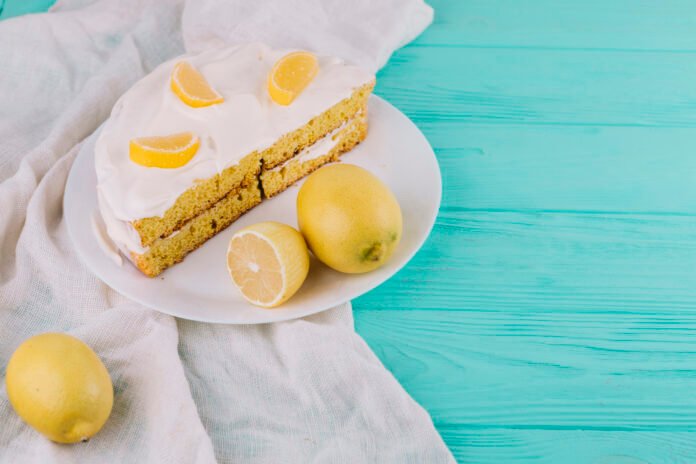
[305,391]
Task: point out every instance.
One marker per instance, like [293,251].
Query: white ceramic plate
[200,289]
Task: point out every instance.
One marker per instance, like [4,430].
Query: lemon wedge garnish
[192,88]
[290,75]
[169,151]
[268,262]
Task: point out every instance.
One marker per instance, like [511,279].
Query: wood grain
[542,87]
[534,446]
[561,168]
[550,24]
[12,8]
[547,370]
[551,315]
[549,261]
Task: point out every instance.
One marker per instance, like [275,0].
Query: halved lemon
[290,75]
[168,151]
[268,262]
[192,88]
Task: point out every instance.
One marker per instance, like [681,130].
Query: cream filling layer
[319,148]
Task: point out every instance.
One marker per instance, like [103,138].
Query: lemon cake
[206,137]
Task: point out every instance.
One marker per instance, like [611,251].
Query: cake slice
[249,147]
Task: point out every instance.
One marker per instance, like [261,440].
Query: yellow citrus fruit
[168,151]
[350,219]
[192,88]
[60,387]
[290,75]
[268,262]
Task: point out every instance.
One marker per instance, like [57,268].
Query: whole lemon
[59,386]
[350,219]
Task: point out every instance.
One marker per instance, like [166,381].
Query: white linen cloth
[305,391]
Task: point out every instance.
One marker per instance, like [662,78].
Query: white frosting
[246,121]
[122,233]
[105,243]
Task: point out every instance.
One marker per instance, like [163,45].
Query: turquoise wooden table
[551,316]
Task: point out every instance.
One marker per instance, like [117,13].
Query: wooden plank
[599,24]
[495,446]
[550,262]
[12,8]
[556,168]
[542,87]
[525,368]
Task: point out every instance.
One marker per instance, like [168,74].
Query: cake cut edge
[168,251]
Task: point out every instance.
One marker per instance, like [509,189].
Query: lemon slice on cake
[290,75]
[268,262]
[192,88]
[168,151]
